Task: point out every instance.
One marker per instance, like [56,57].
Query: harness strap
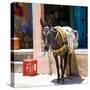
[63,49]
[63,34]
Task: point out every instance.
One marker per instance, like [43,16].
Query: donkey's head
[47,32]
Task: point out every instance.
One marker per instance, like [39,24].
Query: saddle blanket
[72,36]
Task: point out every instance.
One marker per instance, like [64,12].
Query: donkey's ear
[42,22]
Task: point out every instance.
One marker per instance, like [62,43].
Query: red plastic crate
[29,67]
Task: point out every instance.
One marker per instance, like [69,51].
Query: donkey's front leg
[65,63]
[57,67]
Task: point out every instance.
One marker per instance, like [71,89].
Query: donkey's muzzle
[46,48]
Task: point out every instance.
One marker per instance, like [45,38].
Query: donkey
[53,40]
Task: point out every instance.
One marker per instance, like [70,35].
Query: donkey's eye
[48,32]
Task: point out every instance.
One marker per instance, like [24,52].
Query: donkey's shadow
[69,80]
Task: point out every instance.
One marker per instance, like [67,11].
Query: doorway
[73,16]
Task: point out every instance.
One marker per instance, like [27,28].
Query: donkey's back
[72,36]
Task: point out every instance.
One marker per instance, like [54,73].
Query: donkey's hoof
[62,81]
[58,80]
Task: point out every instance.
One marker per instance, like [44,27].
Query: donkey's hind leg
[61,65]
[57,67]
[70,71]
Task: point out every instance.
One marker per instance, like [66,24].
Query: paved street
[45,80]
